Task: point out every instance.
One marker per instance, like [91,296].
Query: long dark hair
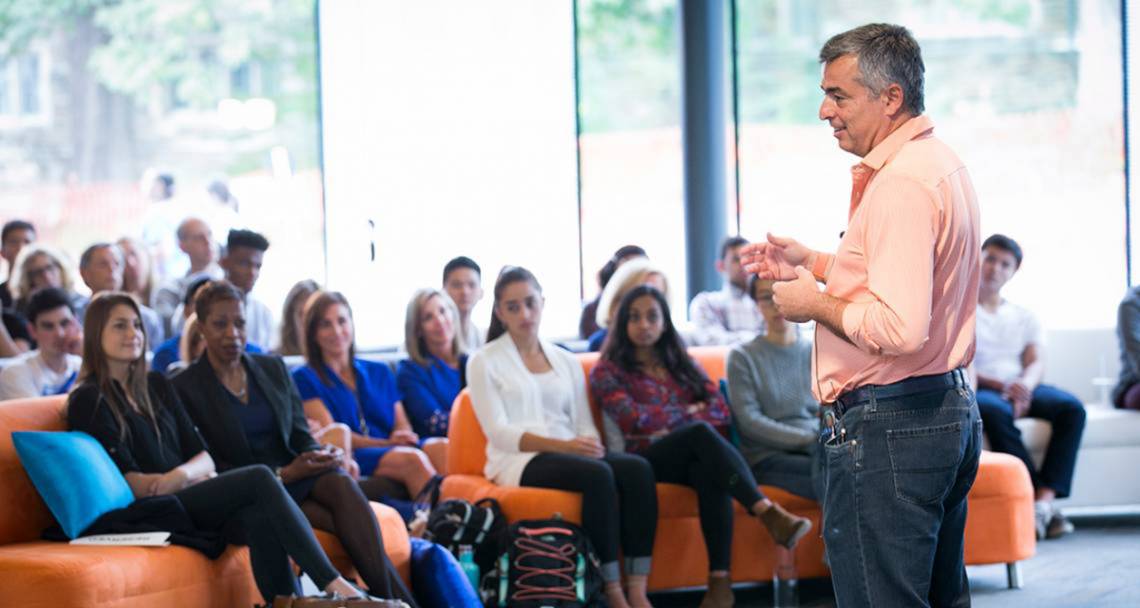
[315,308]
[96,370]
[670,349]
[507,276]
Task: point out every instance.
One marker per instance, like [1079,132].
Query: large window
[92,95]
[630,110]
[449,129]
[1028,93]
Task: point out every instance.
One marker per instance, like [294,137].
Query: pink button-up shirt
[908,265]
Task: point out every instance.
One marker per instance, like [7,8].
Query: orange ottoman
[999,523]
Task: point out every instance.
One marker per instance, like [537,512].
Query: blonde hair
[629,275]
[21,283]
[144,291]
[413,333]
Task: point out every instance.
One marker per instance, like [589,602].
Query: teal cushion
[74,475]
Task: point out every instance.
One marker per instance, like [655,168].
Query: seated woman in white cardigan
[530,398]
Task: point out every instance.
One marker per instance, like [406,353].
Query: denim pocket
[924,461]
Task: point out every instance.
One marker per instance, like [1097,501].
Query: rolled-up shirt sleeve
[900,225]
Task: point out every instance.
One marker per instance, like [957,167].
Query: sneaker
[1042,515]
[1059,526]
[786,529]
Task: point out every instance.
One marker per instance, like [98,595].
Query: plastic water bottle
[785,586]
[467,563]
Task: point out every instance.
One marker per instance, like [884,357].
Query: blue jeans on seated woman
[897,475]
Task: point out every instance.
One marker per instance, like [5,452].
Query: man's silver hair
[886,54]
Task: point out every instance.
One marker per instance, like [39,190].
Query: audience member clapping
[361,394]
[51,369]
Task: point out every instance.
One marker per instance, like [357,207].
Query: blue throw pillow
[74,475]
[437,578]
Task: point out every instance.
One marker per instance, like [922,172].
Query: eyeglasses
[35,273]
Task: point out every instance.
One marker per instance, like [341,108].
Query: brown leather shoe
[719,594]
[786,529]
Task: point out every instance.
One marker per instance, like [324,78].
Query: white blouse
[510,400]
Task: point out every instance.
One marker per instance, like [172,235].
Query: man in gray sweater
[769,391]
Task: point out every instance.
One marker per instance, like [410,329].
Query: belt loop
[871,407]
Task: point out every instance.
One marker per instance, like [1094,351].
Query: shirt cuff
[819,268]
[853,316]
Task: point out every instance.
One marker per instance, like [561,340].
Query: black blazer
[206,401]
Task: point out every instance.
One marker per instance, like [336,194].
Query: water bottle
[467,563]
[785,587]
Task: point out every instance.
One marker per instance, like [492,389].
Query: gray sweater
[1128,334]
[769,390]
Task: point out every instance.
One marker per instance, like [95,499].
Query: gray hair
[887,54]
[85,259]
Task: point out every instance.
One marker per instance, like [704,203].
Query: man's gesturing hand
[796,299]
[775,258]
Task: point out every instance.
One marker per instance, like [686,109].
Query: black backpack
[547,563]
[482,525]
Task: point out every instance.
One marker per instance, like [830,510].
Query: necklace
[240,394]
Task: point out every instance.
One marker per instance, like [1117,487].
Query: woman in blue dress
[361,394]
[432,376]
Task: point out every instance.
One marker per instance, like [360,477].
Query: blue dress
[370,410]
[428,393]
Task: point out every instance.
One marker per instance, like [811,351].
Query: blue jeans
[1067,417]
[896,480]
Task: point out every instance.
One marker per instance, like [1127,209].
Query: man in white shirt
[101,267]
[245,250]
[49,370]
[730,315]
[1009,366]
[463,282]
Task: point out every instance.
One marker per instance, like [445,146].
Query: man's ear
[894,99]
[720,265]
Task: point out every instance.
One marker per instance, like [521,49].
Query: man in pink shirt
[894,330]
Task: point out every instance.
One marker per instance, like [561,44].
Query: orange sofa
[39,573]
[999,528]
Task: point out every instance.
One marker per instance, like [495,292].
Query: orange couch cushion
[24,515]
[49,575]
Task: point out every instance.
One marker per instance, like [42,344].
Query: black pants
[1063,411]
[697,456]
[619,498]
[252,507]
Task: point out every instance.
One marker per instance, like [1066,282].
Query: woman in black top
[140,422]
[249,412]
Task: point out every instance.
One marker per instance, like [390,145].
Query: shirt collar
[911,129]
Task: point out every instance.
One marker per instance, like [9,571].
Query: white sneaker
[1059,525]
[1042,515]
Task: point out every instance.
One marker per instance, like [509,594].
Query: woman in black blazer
[138,419]
[249,412]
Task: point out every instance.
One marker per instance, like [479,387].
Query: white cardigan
[508,402]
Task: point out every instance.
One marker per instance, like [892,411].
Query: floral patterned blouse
[646,408]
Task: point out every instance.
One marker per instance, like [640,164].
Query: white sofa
[1086,363]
